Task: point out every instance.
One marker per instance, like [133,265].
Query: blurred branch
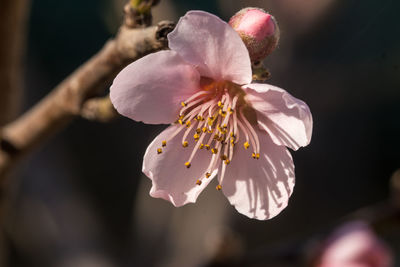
[68,99]
[13,16]
[100,109]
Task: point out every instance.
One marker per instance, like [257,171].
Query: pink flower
[258,30]
[220,122]
[355,245]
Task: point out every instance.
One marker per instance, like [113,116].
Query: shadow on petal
[260,188]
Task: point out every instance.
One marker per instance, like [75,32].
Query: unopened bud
[258,30]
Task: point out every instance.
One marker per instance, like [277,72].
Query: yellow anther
[204,129]
[185,143]
[164,143]
[188,123]
[207,147]
[222,130]
[208,175]
[230,110]
[214,150]
[196,137]
[227,161]
[181,117]
[224,126]
[198,130]
[257,155]
[220,104]
[159,150]
[201,146]
[198,182]
[187,164]
[246,145]
[210,131]
[222,113]
[254,155]
[216,136]
[218,187]
[180,122]
[232,134]
[199,118]
[183,104]
[223,157]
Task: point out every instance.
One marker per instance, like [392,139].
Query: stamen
[164,143]
[159,150]
[195,149]
[185,135]
[246,133]
[252,131]
[246,145]
[235,127]
[189,103]
[199,93]
[211,113]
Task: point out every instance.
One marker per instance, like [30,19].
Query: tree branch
[67,100]
[99,109]
[13,15]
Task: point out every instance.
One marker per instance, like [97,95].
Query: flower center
[217,118]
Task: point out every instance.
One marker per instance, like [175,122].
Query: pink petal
[213,46]
[286,119]
[151,88]
[172,181]
[260,188]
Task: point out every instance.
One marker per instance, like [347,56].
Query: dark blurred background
[81,199]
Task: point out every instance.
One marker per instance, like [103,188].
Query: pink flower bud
[258,30]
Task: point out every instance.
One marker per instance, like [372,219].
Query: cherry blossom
[355,245]
[221,124]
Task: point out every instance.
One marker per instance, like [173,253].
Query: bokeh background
[81,199]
